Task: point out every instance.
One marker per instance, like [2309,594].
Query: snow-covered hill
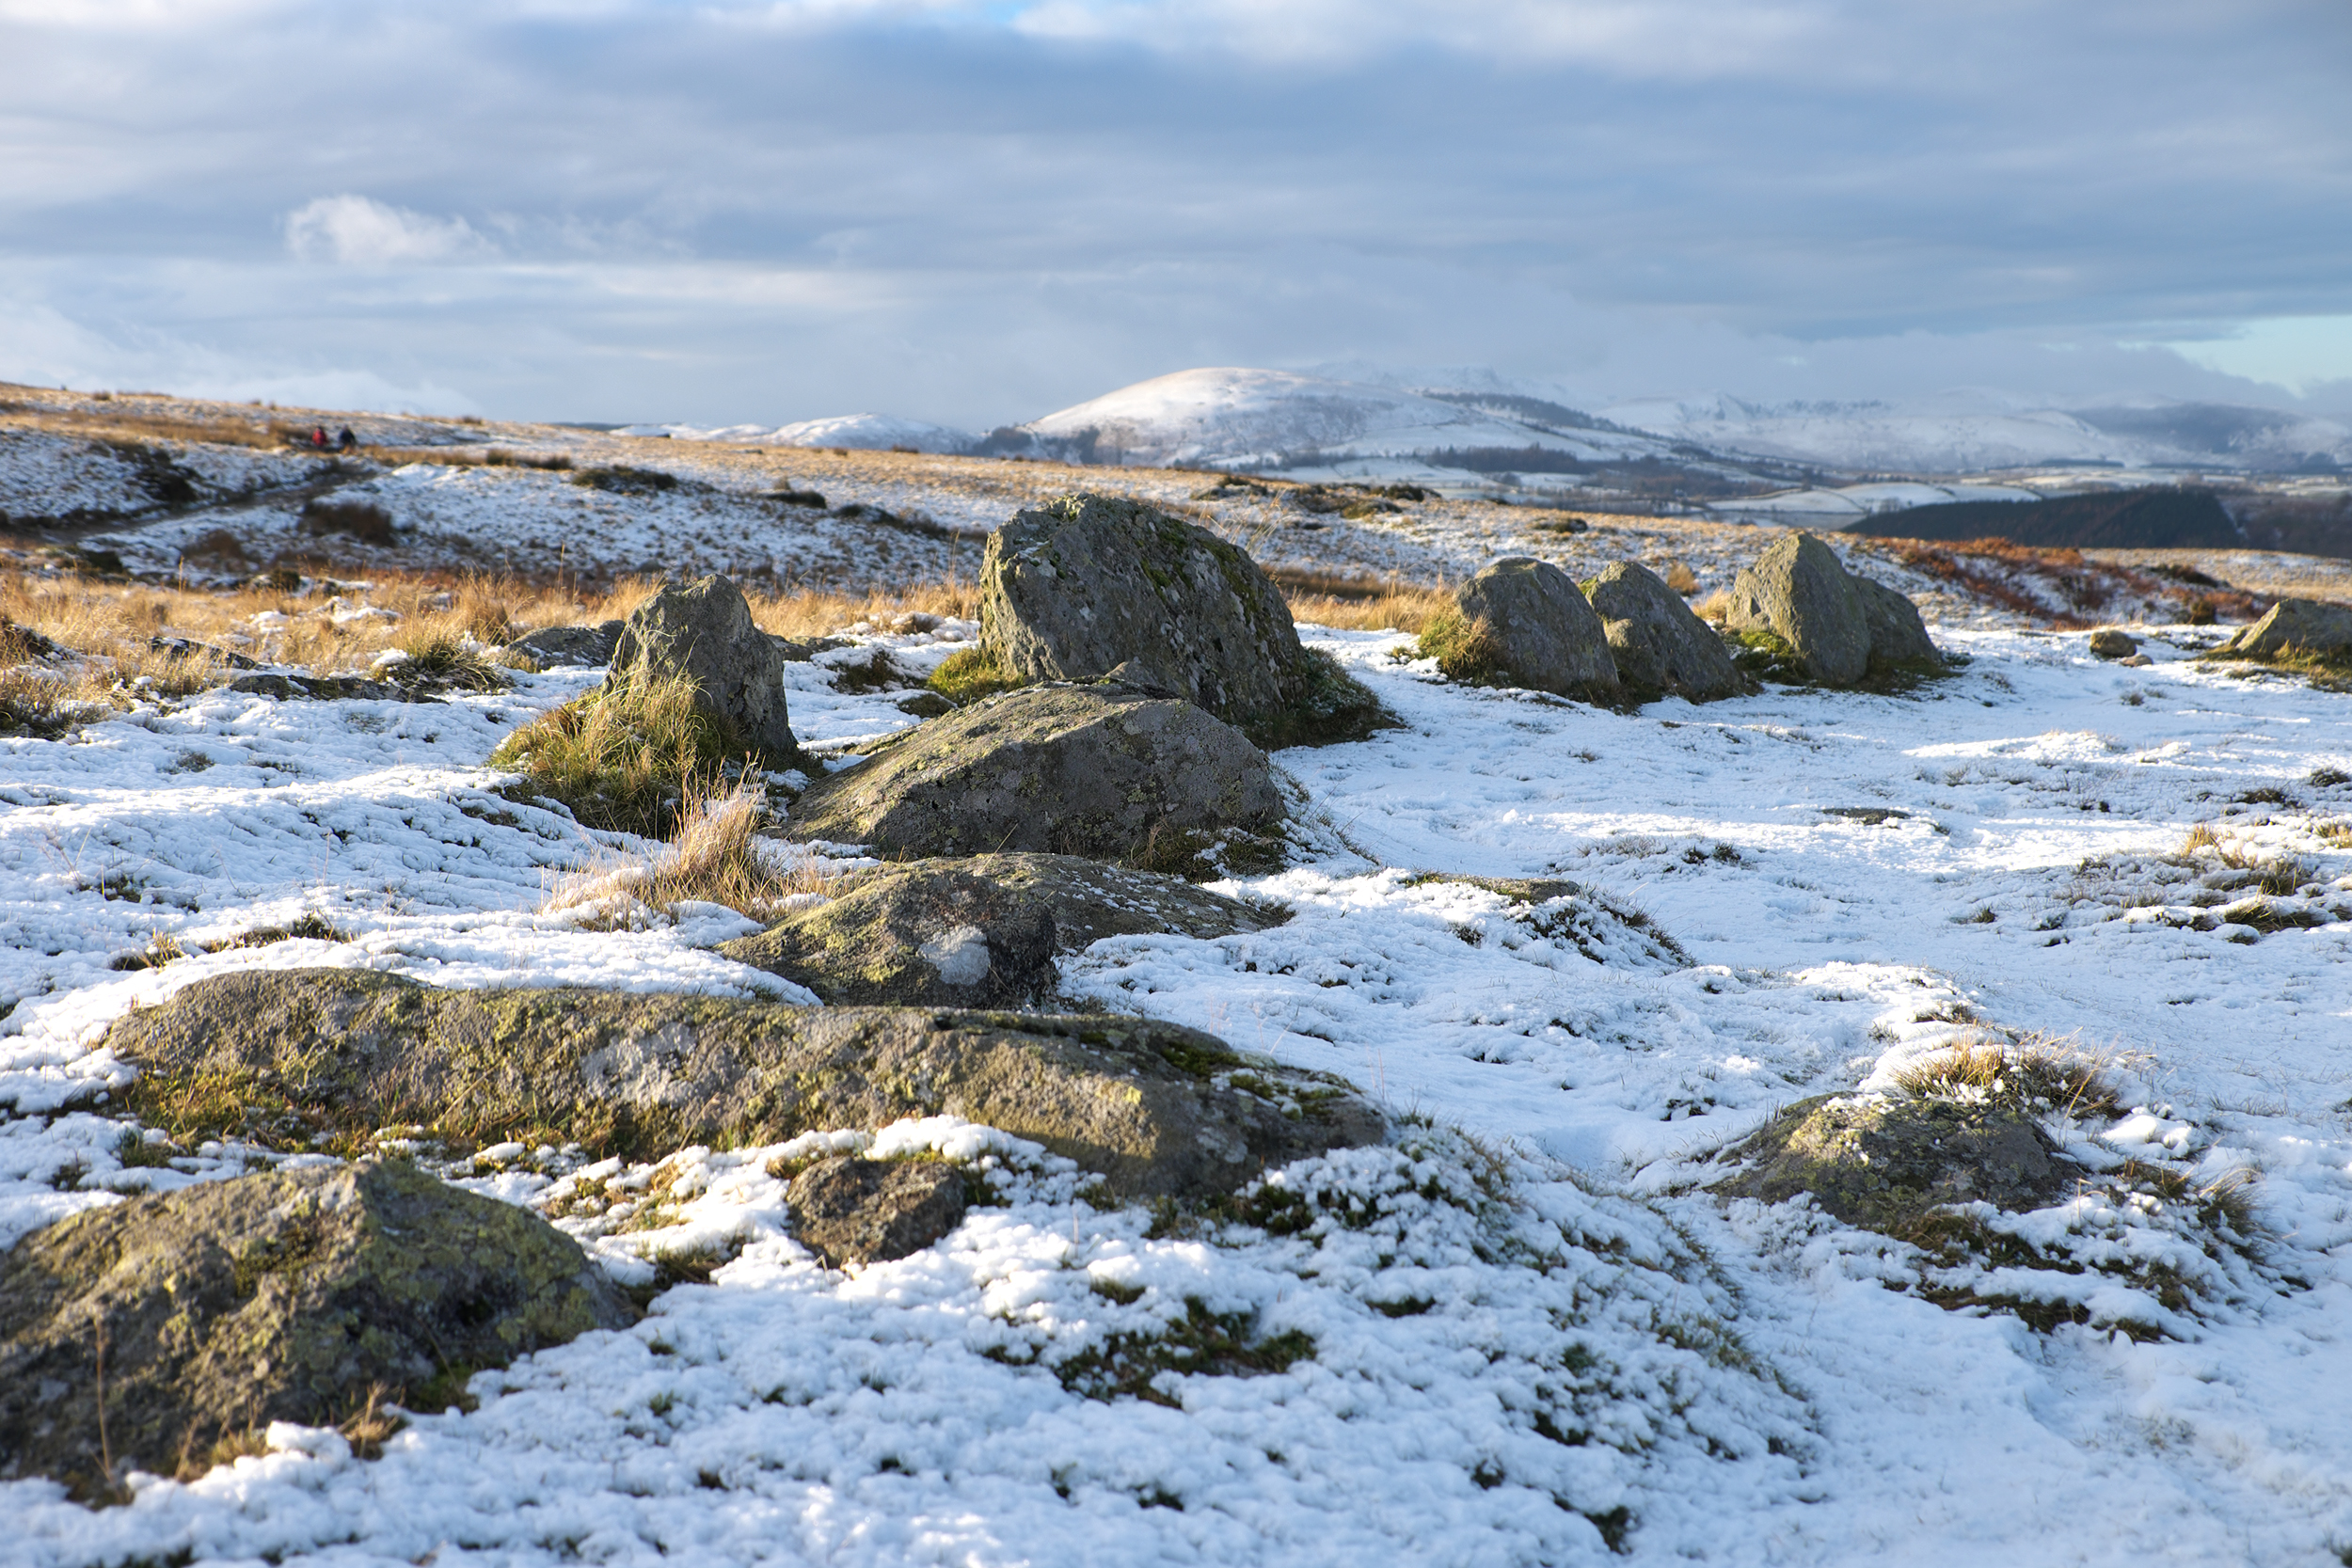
[1974,431]
[856,431]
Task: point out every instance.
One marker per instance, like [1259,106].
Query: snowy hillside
[1968,432]
[856,432]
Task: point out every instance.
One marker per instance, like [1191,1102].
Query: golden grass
[627,758]
[2037,1075]
[714,859]
[1392,607]
[1465,650]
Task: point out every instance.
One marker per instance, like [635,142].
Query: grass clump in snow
[2039,1077]
[1202,1342]
[1466,650]
[714,858]
[439,658]
[625,758]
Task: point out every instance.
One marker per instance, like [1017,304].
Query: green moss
[976,672]
[1203,1343]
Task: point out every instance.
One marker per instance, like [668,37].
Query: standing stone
[1088,584]
[280,1297]
[1659,644]
[1897,635]
[704,631]
[2298,625]
[1798,592]
[1539,632]
[1094,770]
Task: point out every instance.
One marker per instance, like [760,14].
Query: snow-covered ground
[1854,882]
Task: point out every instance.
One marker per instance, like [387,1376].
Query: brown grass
[2038,1074]
[714,859]
[1390,605]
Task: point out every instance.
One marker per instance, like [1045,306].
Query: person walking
[318,437]
[347,441]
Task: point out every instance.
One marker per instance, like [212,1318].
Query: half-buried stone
[1660,647]
[850,1210]
[2293,627]
[1523,622]
[1103,771]
[286,1296]
[978,932]
[1089,584]
[286,1056]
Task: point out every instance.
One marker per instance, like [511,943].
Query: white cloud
[357,231]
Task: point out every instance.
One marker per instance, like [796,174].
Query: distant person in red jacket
[318,437]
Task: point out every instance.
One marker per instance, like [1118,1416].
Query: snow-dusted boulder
[1799,602]
[1660,646]
[704,632]
[1523,621]
[2294,625]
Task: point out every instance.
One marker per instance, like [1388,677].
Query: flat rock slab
[1089,584]
[977,932]
[857,1211]
[578,647]
[1660,647]
[325,689]
[1153,1108]
[1884,1164]
[286,1296]
[1096,770]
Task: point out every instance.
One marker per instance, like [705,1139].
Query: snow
[856,431]
[1776,896]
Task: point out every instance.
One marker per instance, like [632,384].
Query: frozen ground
[1748,1385]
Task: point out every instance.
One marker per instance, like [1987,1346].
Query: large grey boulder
[1660,646]
[1523,621]
[2293,626]
[1838,627]
[1886,1164]
[1103,771]
[978,933]
[1153,1108]
[704,632]
[287,1296]
[1798,592]
[1089,584]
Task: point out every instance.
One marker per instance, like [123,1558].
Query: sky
[978,213]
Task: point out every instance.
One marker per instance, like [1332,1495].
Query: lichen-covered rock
[977,932]
[1153,1107]
[1898,636]
[1660,647]
[287,1296]
[2293,626]
[1800,593]
[857,1211]
[1088,584]
[2107,642]
[1098,770]
[704,632]
[1838,626]
[1539,630]
[1883,1164]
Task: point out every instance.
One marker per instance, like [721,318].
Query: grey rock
[1897,635]
[856,1211]
[1153,1108]
[2107,642]
[1086,585]
[284,1296]
[704,632]
[1883,1164]
[1800,593]
[1660,646]
[1546,636]
[287,688]
[1097,770]
[578,647]
[980,932]
[2298,625]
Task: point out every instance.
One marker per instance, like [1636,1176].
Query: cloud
[357,232]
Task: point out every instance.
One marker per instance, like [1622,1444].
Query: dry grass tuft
[714,859]
[1465,651]
[2039,1075]
[1390,607]
[629,758]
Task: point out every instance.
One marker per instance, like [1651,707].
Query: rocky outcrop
[287,1296]
[1883,1164]
[851,1209]
[2107,642]
[1660,647]
[1089,584]
[704,632]
[1835,626]
[2294,626]
[978,933]
[1103,770]
[1153,1108]
[1523,622]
